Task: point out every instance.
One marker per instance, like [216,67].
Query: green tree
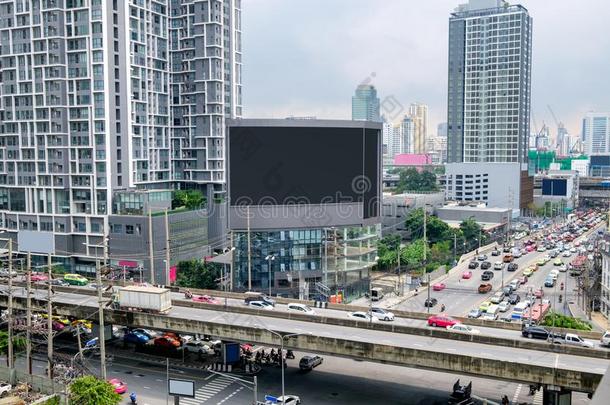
[412,180]
[190,199]
[412,255]
[18,343]
[470,229]
[89,390]
[436,229]
[441,253]
[387,250]
[197,274]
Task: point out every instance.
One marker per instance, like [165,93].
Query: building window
[129,229]
[116,228]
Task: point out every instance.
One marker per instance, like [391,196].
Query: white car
[503,306]
[285,400]
[260,305]
[301,308]
[361,316]
[489,317]
[605,340]
[199,347]
[461,328]
[498,266]
[566,253]
[5,388]
[563,268]
[382,314]
[573,250]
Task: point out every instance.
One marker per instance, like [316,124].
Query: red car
[119,386]
[166,341]
[438,286]
[522,280]
[539,293]
[35,277]
[441,320]
[466,275]
[205,299]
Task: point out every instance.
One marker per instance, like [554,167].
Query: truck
[143,299]
[376,293]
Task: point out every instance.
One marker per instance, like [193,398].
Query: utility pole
[28,336]
[167,253]
[102,335]
[425,239]
[10,305]
[428,307]
[249,250]
[150,249]
[398,287]
[49,320]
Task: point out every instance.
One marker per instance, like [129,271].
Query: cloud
[307,57]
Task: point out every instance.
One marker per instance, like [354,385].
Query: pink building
[413,159]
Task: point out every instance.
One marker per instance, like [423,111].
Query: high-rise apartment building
[419,116]
[596,133]
[488,111]
[365,104]
[398,138]
[102,95]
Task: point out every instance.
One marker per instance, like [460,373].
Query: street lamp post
[269,259]
[371,293]
[282,337]
[224,276]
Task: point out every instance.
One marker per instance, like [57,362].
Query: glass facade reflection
[306,262]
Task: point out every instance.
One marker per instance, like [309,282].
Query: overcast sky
[305,57]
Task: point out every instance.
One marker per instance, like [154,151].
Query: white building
[419,115]
[490,45]
[596,133]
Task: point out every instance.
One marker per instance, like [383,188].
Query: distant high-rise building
[365,104]
[419,115]
[488,111]
[563,140]
[407,133]
[441,130]
[596,133]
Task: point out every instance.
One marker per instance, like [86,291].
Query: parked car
[438,287]
[474,313]
[308,363]
[512,267]
[467,275]
[487,275]
[461,328]
[361,316]
[300,308]
[473,264]
[382,314]
[430,302]
[441,320]
[119,386]
[485,265]
[485,288]
[514,299]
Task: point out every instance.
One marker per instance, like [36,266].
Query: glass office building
[301,262]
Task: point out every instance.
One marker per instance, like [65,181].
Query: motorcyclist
[132,396]
[442,307]
[188,294]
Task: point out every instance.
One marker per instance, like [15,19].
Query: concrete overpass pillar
[552,395]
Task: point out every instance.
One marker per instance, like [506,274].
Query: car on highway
[508,290]
[541,248]
[482,258]
[495,252]
[514,284]
[38,277]
[489,316]
[498,266]
[441,320]
[483,306]
[566,253]
[438,287]
[473,264]
[541,262]
[497,297]
[300,308]
[5,388]
[484,288]
[522,280]
[539,293]
[260,305]
[503,306]
[206,299]
[461,328]
[557,262]
[605,339]
[554,253]
[166,341]
[308,363]
[467,275]
[199,347]
[487,275]
[507,258]
[285,400]
[75,279]
[147,332]
[475,313]
[535,332]
[512,267]
[119,386]
[506,249]
[382,314]
[258,296]
[59,282]
[549,282]
[485,265]
[430,302]
[563,268]
[361,316]
[135,337]
[528,272]
[514,299]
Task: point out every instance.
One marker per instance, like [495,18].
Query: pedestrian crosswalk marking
[208,390]
[538,398]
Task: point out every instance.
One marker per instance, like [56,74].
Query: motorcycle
[289,354]
[188,295]
[560,298]
[133,399]
[561,286]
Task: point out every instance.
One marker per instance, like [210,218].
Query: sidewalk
[600,320]
[577,312]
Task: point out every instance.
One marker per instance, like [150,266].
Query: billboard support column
[249,252]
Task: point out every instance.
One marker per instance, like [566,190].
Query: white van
[301,308]
[554,273]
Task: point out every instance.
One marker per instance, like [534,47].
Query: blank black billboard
[558,187]
[271,165]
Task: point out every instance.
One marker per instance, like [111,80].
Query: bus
[538,312]
[518,311]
